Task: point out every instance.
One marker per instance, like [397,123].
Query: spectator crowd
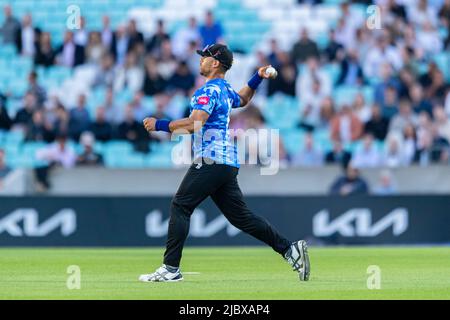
[408,114]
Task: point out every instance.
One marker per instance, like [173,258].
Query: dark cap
[219,52]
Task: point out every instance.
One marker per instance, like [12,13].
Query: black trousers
[218,181]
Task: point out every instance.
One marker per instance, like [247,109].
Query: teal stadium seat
[282,112]
[442,60]
[292,139]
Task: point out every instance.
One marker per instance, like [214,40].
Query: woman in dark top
[45,55]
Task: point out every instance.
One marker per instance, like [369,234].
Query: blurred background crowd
[352,94]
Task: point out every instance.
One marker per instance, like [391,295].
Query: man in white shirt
[58,153]
[184,37]
[309,156]
[381,53]
[107,34]
[305,81]
[28,34]
[367,156]
[81,36]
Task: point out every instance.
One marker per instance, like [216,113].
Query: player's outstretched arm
[192,124]
[247,92]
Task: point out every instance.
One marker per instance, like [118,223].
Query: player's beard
[203,72]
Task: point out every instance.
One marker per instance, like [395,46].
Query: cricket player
[215,168]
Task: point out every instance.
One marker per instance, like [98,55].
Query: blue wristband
[255,81]
[162,125]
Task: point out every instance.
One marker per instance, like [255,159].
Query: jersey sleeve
[206,100]
[236,98]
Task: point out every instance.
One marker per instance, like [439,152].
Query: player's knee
[179,208]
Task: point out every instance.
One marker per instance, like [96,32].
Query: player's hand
[262,73]
[149,124]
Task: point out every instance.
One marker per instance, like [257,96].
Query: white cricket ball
[271,72]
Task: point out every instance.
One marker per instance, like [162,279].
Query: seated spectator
[306,78]
[368,155]
[36,89]
[397,9]
[334,50]
[327,111]
[377,125]
[61,121]
[106,32]
[45,54]
[393,155]
[5,120]
[139,109]
[184,37]
[88,157]
[10,29]
[309,156]
[312,101]
[304,48]
[120,45]
[211,31]
[381,53]
[351,71]
[161,101]
[431,149]
[24,115]
[361,109]
[182,80]
[406,80]
[167,62]
[351,183]
[419,102]
[69,54]
[286,80]
[386,185]
[28,37]
[79,120]
[404,117]
[81,35]
[153,46]
[272,56]
[438,87]
[106,72]
[136,38]
[58,154]
[420,12]
[101,129]
[441,122]
[345,125]
[338,155]
[129,76]
[426,79]
[389,107]
[409,143]
[191,58]
[387,80]
[428,39]
[95,49]
[40,129]
[154,83]
[113,111]
[133,131]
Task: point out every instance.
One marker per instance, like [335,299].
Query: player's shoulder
[212,87]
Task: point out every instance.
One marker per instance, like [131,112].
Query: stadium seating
[260,19]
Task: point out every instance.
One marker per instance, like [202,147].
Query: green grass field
[226,273]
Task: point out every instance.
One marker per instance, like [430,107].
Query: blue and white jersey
[217,98]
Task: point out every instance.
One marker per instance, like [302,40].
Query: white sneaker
[297,257]
[162,275]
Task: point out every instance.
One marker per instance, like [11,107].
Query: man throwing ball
[214,174]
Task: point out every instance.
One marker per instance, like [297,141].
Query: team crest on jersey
[203,100]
